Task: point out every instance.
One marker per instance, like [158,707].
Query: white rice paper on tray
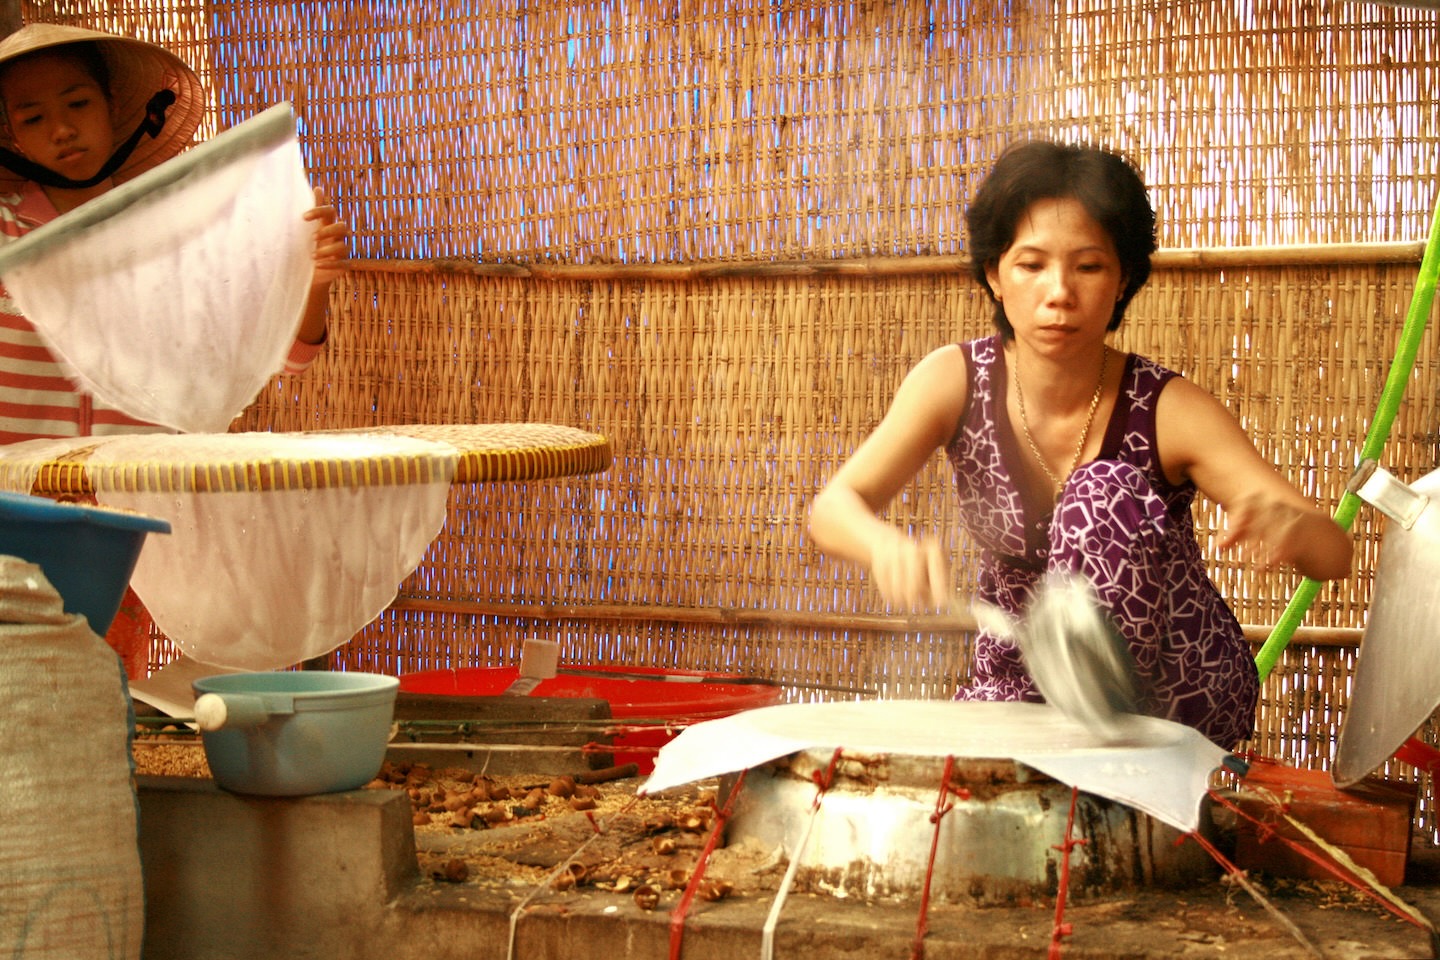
[1163,769]
[177,295]
[263,579]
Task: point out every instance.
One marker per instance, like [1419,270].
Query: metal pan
[1077,660]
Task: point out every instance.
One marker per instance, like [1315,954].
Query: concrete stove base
[235,876]
[999,841]
[335,877]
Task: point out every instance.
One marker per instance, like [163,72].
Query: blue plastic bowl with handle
[86,552]
[297,732]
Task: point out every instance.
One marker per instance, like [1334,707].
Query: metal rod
[713,678]
[494,747]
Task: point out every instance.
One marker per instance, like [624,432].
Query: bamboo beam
[794,620]
[1196,258]
[1296,255]
[675,272]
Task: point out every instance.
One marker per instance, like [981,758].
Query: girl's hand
[331,241]
[331,253]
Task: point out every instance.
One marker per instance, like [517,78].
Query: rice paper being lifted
[177,295]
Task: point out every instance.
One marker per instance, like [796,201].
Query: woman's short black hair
[1106,184]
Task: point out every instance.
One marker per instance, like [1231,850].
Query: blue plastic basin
[297,732]
[86,552]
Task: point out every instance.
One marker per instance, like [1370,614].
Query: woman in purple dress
[1070,456]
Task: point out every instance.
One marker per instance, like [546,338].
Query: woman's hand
[845,522]
[1272,521]
[911,574]
[1277,533]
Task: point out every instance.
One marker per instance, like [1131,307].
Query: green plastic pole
[1349,505]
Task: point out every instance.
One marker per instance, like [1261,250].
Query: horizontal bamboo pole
[795,620]
[1197,258]
[725,616]
[1296,255]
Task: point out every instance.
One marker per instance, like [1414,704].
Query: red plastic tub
[689,697]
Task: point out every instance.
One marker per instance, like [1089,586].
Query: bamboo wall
[720,232]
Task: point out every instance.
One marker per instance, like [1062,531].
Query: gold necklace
[1089,421]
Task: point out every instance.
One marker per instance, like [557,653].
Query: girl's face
[1060,278]
[57,115]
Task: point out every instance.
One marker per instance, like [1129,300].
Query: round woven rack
[486,453]
[513,451]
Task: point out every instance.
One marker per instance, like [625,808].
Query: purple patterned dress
[1123,525]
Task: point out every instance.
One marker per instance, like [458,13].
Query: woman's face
[1060,278]
[57,115]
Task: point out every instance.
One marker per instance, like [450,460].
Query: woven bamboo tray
[486,453]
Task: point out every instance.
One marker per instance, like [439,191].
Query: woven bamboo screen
[720,232]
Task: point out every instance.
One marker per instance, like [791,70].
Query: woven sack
[70,879]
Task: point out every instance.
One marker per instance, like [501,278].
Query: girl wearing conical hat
[83,111]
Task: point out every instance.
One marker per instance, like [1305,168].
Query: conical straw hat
[138,70]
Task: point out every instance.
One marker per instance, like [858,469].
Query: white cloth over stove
[1163,769]
[177,295]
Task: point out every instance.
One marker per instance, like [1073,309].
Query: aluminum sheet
[1397,673]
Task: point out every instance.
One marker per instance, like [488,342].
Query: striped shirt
[38,398]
